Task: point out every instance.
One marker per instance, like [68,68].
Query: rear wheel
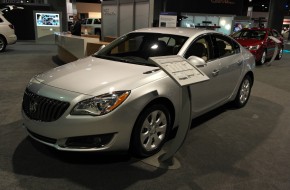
[280,54]
[2,44]
[244,92]
[151,130]
[263,58]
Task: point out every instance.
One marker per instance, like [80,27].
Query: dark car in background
[259,43]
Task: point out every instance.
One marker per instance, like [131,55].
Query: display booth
[71,48]
[220,23]
[46,24]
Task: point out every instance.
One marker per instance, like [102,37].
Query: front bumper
[11,39]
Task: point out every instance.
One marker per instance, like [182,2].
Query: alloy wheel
[263,59]
[153,130]
[2,44]
[244,91]
[280,53]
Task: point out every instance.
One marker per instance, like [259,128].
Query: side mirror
[196,61]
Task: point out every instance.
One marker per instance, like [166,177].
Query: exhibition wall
[120,17]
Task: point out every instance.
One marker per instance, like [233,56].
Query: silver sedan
[117,99]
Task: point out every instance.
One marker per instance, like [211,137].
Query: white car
[92,26]
[7,33]
[118,100]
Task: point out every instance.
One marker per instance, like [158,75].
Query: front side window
[136,48]
[199,48]
[223,46]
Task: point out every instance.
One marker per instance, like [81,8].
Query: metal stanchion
[184,74]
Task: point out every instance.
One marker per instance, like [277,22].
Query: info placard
[180,69]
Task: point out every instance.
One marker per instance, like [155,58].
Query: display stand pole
[184,74]
[276,49]
[166,159]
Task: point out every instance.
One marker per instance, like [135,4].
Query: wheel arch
[2,36]
[250,74]
[159,100]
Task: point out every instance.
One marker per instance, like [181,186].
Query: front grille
[41,108]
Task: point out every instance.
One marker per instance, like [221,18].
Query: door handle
[215,72]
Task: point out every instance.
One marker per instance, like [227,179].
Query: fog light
[91,141]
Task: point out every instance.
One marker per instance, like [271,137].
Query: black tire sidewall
[4,42]
[277,57]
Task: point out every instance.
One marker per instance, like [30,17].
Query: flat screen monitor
[47,19]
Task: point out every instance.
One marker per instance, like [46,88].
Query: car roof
[188,32]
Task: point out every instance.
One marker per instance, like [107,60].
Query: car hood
[248,42]
[94,76]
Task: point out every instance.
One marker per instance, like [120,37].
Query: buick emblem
[33,106]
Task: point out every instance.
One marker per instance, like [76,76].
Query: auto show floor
[246,148]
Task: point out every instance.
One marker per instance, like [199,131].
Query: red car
[257,41]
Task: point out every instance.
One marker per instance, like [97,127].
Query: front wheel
[244,92]
[2,44]
[151,130]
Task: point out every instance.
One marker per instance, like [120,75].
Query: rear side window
[1,20]
[236,47]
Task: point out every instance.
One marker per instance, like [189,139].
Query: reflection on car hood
[94,76]
[248,42]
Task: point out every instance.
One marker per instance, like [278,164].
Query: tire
[244,92]
[2,44]
[263,58]
[151,130]
[280,54]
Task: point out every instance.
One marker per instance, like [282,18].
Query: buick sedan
[118,100]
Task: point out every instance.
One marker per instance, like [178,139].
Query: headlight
[100,105]
[254,47]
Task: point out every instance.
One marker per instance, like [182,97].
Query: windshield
[248,34]
[136,48]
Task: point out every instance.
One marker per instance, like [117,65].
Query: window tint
[90,21]
[141,46]
[97,21]
[199,48]
[236,47]
[223,46]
